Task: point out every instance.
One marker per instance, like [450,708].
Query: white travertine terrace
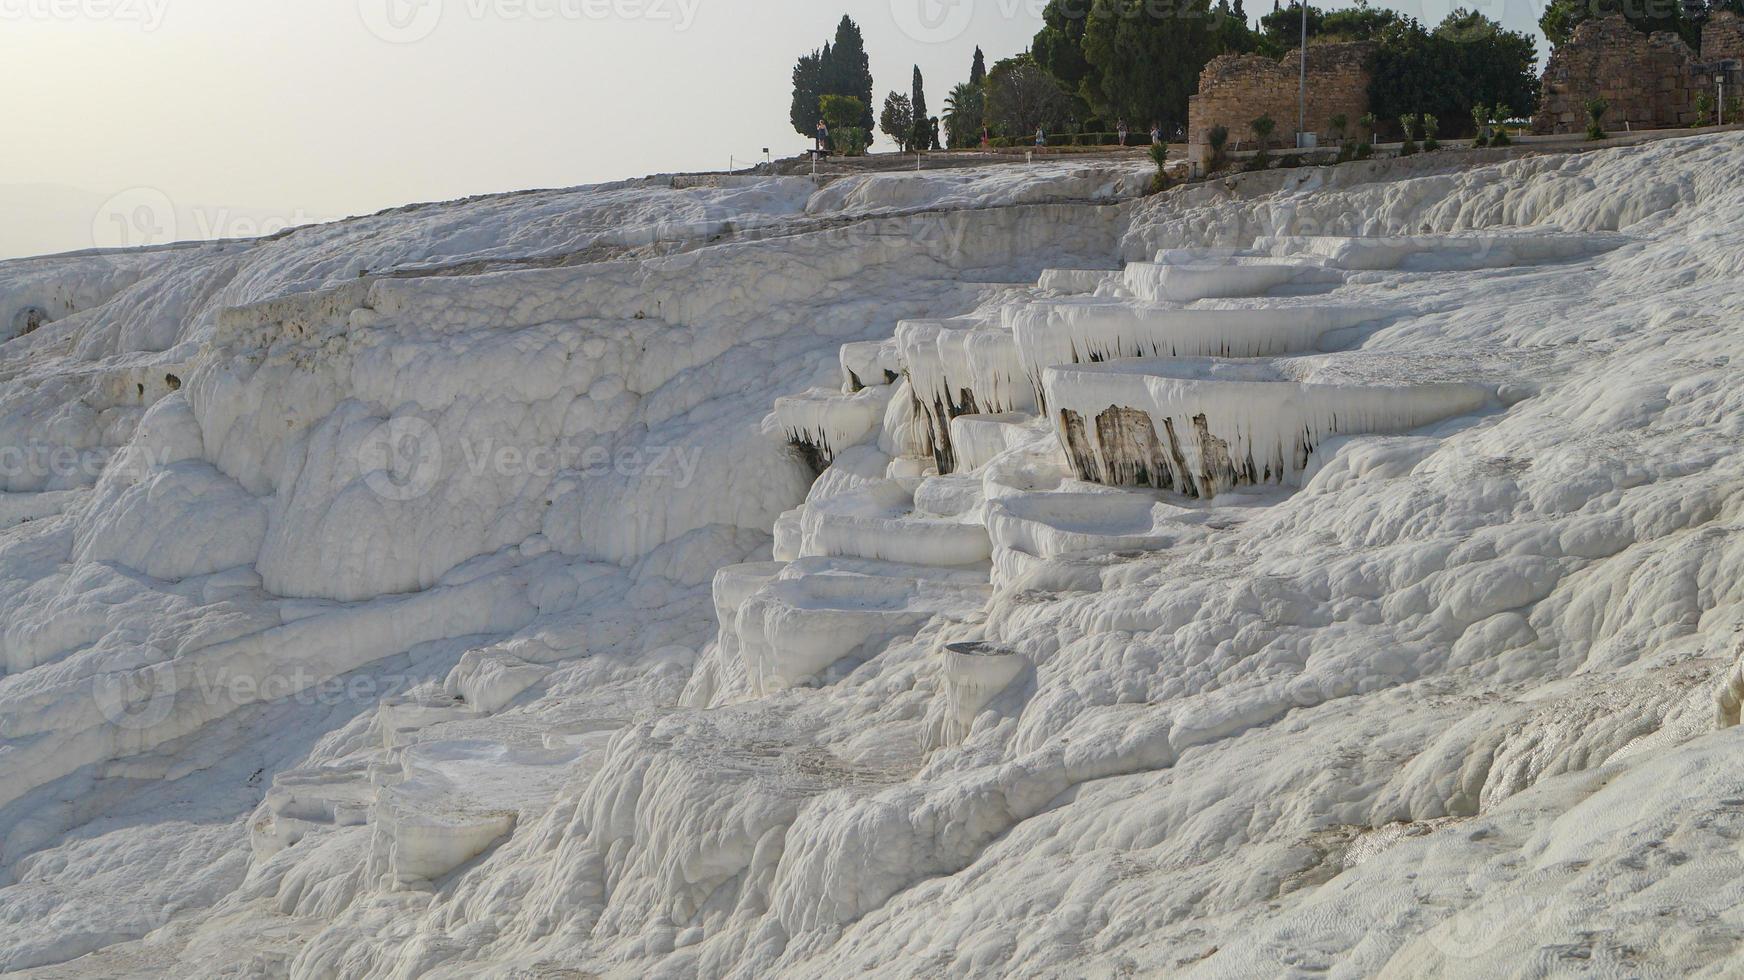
[465,618]
[1204,426]
[1096,330]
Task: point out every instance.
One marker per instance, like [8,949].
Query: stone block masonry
[1651,81]
[1234,90]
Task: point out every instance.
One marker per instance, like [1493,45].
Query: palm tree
[964,109]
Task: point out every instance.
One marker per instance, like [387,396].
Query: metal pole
[1302,117]
[1720,98]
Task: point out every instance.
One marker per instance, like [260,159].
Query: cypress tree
[850,71]
[978,71]
[922,131]
[808,82]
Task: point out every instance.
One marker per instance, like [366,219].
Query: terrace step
[1204,426]
[1223,278]
[1097,330]
[824,422]
[817,612]
[1435,253]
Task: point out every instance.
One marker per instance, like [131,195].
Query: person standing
[823,136]
[1041,138]
[1156,133]
[1121,128]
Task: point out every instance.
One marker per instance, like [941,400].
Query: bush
[851,141]
[1596,109]
[1501,138]
[1408,123]
[1365,150]
[1217,139]
[1160,157]
[1430,126]
[1262,130]
[1704,110]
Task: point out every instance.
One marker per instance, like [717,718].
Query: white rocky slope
[1346,580]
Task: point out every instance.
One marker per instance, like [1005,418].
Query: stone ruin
[1234,90]
[1651,81]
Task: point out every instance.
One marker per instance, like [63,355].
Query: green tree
[917,100]
[978,70]
[1561,17]
[1021,97]
[1467,60]
[1281,30]
[1147,57]
[808,87]
[897,120]
[848,70]
[1231,33]
[965,109]
[1059,47]
[842,113]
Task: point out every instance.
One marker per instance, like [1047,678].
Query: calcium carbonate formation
[976,573]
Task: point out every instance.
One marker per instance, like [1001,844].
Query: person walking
[1156,133]
[1121,128]
[1041,138]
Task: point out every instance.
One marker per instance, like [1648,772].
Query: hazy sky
[245,115]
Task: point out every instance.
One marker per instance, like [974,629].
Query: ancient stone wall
[1723,37]
[1650,81]
[1234,90]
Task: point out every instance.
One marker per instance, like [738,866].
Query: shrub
[1704,110]
[1408,123]
[1160,157]
[1262,130]
[851,141]
[1596,109]
[1217,139]
[1480,114]
[1367,122]
[1365,151]
[1431,125]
